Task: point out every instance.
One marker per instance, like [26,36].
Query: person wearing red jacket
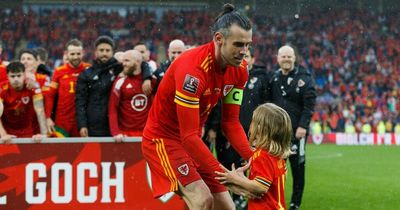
[128,105]
[63,86]
[179,161]
[21,107]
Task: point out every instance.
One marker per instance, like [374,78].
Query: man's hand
[146,87]
[38,138]
[84,132]
[50,126]
[119,137]
[300,133]
[30,80]
[231,177]
[6,139]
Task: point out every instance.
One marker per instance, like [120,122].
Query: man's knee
[197,195]
[203,201]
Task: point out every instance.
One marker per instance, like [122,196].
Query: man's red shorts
[169,164]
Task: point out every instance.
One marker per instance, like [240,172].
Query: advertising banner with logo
[355,139]
[79,174]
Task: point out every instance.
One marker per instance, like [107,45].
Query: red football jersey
[63,85]
[189,90]
[19,117]
[270,172]
[43,80]
[3,74]
[128,105]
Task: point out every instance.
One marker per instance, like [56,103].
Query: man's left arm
[230,122]
[309,97]
[39,109]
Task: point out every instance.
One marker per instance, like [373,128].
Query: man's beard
[75,63]
[130,70]
[17,86]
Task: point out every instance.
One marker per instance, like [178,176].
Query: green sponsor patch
[234,96]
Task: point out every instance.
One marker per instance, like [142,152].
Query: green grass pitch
[350,177]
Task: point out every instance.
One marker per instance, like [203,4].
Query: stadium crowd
[353,54]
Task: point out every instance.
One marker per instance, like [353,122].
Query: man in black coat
[175,48]
[293,89]
[254,93]
[93,89]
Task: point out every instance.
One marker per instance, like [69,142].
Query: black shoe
[294,207]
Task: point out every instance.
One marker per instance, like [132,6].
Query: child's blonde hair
[271,129]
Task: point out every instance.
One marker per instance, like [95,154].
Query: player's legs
[196,195]
[223,201]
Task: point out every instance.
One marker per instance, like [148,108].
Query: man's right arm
[189,88]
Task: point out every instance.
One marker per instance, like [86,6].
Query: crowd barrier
[355,139]
[79,174]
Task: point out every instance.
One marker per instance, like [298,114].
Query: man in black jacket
[293,89]
[93,89]
[175,48]
[254,93]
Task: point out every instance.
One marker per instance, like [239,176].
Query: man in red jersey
[128,106]
[29,59]
[3,71]
[22,106]
[178,159]
[63,85]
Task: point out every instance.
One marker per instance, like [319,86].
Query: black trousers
[297,164]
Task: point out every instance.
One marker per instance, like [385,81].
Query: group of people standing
[125,96]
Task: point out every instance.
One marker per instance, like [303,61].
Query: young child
[270,134]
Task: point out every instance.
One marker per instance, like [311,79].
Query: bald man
[293,88]
[128,105]
[176,47]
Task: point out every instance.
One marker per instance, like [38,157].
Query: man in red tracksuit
[128,105]
[63,85]
[178,159]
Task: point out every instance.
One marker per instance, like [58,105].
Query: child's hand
[230,177]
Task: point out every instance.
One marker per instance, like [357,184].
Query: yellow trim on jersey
[186,104]
[37,97]
[166,165]
[242,64]
[279,195]
[194,99]
[206,61]
[263,181]
[262,185]
[186,101]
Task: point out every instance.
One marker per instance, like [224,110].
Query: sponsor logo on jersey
[139,102]
[191,84]
[207,92]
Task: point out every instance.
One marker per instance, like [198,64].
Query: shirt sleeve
[309,100]
[189,87]
[230,124]
[81,99]
[113,105]
[262,169]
